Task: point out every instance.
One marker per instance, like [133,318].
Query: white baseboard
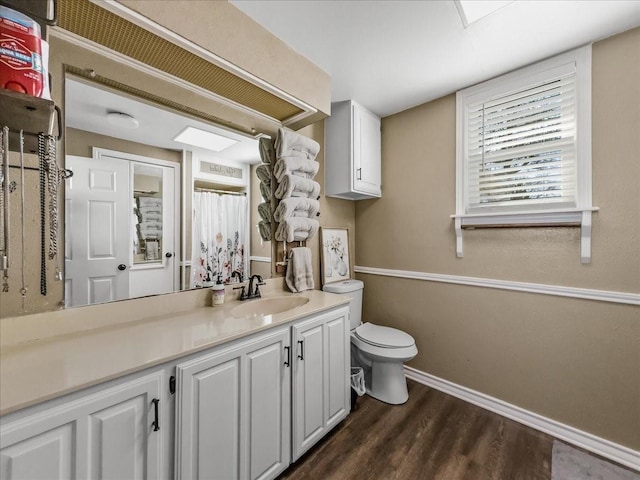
[605,448]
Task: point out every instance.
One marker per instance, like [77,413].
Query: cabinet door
[233,411]
[108,434]
[366,152]
[321,378]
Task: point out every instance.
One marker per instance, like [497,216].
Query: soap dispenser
[217,293]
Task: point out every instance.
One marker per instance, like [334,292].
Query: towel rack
[285,259]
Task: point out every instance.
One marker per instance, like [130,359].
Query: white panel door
[98,233]
[208,417]
[233,411]
[47,454]
[338,369]
[269,406]
[367,151]
[309,385]
[321,395]
[109,434]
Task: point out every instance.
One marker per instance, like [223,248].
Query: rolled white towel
[265,231]
[296,207]
[264,209]
[296,229]
[296,165]
[265,191]
[288,142]
[267,150]
[294,186]
[263,172]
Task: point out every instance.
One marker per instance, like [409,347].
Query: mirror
[126,158]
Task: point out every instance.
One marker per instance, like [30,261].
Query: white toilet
[381,351]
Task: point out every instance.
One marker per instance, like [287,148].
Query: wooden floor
[432,436]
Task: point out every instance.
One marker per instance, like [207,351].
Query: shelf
[32,114]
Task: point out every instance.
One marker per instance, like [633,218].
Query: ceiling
[86,108]
[390,55]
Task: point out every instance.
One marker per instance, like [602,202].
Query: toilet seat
[383,337]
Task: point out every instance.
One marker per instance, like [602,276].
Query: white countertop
[42,369]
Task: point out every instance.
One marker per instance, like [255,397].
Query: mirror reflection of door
[120,230]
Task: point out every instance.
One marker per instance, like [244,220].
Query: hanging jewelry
[42,186]
[23,290]
[56,175]
[5,184]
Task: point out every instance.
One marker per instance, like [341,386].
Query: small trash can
[357,384]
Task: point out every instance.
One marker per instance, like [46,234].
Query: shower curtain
[218,238]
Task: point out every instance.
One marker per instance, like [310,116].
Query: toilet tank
[353,289]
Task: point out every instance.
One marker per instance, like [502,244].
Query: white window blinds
[523,149]
[521,146]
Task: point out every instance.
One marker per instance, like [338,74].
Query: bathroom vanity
[208,392]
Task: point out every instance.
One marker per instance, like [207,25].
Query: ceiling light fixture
[122,120]
[473,10]
[203,139]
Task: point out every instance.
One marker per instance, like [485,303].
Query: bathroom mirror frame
[70,54]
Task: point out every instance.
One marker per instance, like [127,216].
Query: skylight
[203,139]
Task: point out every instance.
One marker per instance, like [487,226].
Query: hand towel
[265,231]
[296,165]
[289,142]
[296,229]
[263,172]
[299,276]
[264,209]
[265,191]
[267,150]
[296,207]
[294,186]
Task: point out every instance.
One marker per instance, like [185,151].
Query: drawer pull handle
[156,422]
[287,362]
[301,354]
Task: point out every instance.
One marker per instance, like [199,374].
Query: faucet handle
[243,294]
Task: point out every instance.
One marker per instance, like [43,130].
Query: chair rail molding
[627,298]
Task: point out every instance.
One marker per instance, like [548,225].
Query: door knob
[168,254]
[122,267]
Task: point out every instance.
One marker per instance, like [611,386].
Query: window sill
[574,217]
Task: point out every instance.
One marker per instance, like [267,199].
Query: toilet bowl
[380,351]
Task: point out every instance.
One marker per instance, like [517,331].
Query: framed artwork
[334,254]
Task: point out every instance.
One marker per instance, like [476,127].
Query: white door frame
[98,153]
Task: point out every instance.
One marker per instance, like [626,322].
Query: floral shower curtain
[218,238]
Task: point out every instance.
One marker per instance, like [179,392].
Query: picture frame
[334,254]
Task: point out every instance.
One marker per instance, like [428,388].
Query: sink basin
[267,306]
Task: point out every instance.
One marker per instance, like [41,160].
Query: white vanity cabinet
[233,410]
[352,152]
[321,390]
[107,434]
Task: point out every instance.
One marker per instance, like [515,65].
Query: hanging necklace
[42,186]
[23,290]
[4,201]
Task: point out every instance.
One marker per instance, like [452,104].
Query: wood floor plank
[432,436]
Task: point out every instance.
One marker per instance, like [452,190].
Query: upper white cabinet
[114,433]
[352,152]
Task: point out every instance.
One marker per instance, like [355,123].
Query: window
[524,148]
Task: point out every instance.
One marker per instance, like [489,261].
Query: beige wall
[576,361]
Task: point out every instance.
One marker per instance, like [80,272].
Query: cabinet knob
[122,267]
[168,254]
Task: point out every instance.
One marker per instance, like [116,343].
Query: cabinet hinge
[172,385]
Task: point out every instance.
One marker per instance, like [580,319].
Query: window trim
[536,216]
